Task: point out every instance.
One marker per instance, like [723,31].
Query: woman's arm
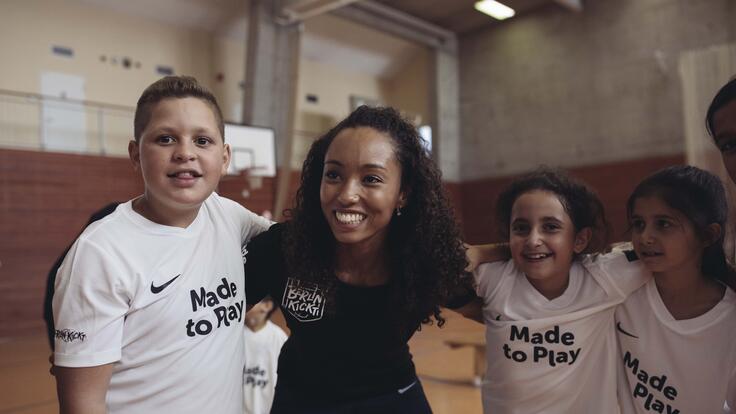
[484,253]
[472,310]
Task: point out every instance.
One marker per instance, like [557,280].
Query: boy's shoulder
[216,199]
[236,212]
[107,227]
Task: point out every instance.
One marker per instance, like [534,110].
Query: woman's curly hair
[427,255]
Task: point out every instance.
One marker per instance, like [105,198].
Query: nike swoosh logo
[158,289]
[405,389]
[620,329]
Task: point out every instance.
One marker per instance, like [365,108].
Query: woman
[371,252]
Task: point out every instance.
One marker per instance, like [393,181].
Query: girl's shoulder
[488,276]
[620,268]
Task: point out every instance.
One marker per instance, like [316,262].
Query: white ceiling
[342,43]
[327,39]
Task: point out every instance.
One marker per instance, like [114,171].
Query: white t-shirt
[671,366]
[262,350]
[164,304]
[554,356]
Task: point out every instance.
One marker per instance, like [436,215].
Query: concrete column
[446,110]
[269,99]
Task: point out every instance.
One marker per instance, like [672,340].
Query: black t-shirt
[355,351]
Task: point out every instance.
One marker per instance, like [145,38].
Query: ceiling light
[495,9]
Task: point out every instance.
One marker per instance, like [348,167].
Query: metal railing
[38,122]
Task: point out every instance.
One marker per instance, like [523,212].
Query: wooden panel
[613,182]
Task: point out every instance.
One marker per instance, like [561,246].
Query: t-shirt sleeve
[281,337]
[488,276]
[263,263]
[90,304]
[623,268]
[249,223]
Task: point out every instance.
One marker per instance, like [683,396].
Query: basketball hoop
[252,181]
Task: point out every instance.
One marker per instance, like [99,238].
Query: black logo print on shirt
[544,351]
[222,301]
[305,301]
[620,329]
[158,289]
[653,392]
[68,335]
[256,377]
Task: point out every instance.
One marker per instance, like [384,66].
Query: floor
[447,374]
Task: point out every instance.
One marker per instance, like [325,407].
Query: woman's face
[361,186]
[724,132]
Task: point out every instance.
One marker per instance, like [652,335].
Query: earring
[398,210]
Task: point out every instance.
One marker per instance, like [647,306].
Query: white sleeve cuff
[87,360]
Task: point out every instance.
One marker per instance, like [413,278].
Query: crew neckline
[153,227]
[713,315]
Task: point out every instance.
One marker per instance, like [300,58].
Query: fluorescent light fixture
[495,9]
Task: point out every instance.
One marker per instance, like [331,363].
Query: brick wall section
[47,197]
[612,182]
[258,200]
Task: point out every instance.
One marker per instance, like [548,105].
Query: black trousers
[410,400]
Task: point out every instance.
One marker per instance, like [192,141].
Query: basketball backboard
[253,149]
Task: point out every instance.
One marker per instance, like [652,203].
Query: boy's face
[181,156]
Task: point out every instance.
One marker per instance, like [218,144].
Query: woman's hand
[484,253]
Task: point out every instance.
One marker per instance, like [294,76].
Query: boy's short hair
[173,87]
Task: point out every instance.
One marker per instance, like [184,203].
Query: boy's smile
[181,156]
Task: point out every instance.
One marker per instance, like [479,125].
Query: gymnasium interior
[610,91]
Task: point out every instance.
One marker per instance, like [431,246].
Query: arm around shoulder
[472,310]
[622,267]
[486,253]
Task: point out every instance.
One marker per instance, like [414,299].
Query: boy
[263,342]
[149,301]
